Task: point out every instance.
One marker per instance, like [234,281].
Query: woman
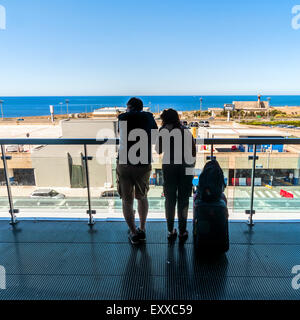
[212,184]
[179,148]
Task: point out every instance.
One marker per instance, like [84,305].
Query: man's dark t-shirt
[136,120]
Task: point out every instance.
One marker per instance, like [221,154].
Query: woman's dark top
[189,151]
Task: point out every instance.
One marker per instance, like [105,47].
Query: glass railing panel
[222,153]
[61,169]
[240,183]
[277,188]
[47,181]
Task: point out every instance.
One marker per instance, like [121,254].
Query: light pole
[61,109]
[269,99]
[201,100]
[1,104]
[67,103]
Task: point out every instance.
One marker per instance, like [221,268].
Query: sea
[39,106]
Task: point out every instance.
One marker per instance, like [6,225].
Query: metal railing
[86,158]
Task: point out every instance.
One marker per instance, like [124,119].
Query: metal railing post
[211,157]
[251,212]
[90,212]
[12,210]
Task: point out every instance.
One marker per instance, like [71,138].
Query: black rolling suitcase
[211,227]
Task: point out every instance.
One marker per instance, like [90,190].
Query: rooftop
[251,105]
[68,260]
[238,132]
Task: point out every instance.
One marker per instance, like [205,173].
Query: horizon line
[153,95]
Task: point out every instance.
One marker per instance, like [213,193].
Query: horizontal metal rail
[56,141]
[247,141]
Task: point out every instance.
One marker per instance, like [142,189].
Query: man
[133,177]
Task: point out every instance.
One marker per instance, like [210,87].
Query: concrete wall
[272,161]
[87,128]
[51,172]
[100,174]
[51,166]
[18,161]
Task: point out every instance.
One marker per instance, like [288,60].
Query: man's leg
[142,180]
[143,209]
[128,213]
[125,188]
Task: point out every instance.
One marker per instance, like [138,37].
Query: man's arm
[118,125]
[154,124]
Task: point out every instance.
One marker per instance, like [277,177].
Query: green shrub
[272,123]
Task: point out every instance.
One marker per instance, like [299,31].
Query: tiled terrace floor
[68,260]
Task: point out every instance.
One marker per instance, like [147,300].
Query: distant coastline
[15,107]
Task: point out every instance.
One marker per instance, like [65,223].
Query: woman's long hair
[211,182]
[170,116]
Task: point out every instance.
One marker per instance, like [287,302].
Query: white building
[112,111]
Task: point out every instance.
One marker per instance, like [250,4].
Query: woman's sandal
[172,236]
[184,237]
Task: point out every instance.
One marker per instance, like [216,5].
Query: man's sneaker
[141,234]
[134,238]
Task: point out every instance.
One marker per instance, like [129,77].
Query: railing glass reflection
[48,178]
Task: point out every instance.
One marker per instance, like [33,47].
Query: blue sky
[149,47]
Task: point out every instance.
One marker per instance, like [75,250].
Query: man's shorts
[133,181]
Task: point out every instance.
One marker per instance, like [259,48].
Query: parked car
[110,194]
[184,123]
[204,124]
[47,194]
[194,125]
[14,148]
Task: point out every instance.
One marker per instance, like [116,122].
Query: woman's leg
[170,205]
[170,191]
[183,209]
[184,194]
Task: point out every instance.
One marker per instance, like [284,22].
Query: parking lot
[266,203]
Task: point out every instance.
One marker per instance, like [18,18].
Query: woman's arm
[224,198]
[194,148]
[158,144]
